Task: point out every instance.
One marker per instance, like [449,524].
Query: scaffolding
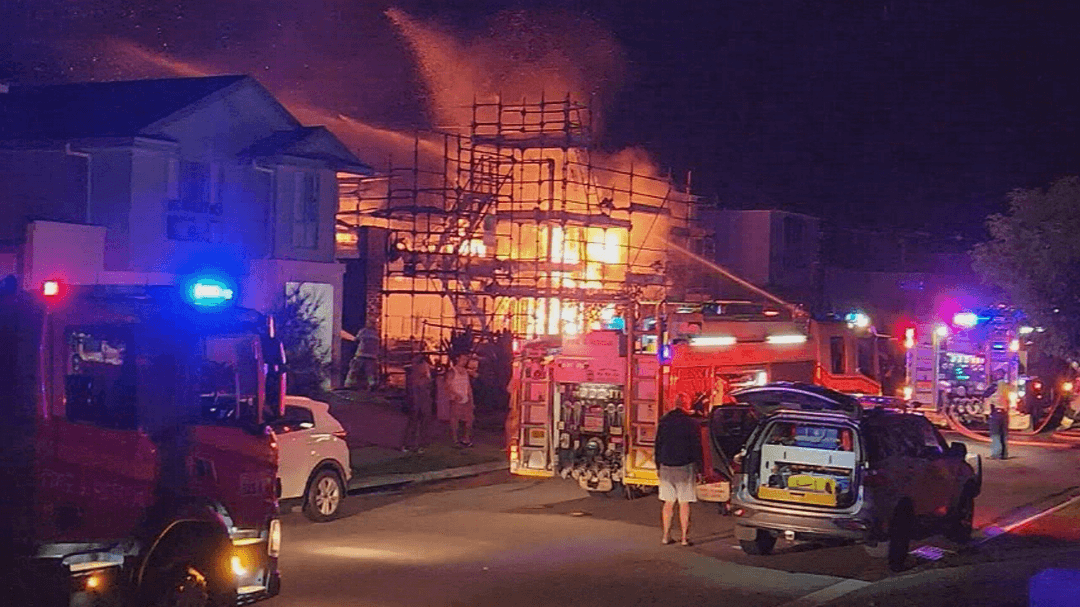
[516,223]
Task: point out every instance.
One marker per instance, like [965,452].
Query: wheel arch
[187,521]
[326,464]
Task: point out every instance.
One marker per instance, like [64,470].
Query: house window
[837,355]
[306,210]
[195,204]
[794,256]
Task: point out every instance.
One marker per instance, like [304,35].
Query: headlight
[273,547]
[238,566]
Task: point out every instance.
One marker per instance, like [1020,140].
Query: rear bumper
[845,525]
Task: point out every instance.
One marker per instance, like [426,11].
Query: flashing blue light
[210,292]
[665,354]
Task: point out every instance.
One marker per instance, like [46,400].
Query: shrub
[298,325]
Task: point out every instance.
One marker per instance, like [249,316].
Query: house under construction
[515,223]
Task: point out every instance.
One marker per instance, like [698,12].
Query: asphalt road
[501,540]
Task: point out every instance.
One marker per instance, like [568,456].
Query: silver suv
[819,465]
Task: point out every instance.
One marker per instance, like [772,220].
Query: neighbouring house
[141,182]
[776,250]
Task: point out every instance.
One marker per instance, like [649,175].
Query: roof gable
[100,109]
[312,143]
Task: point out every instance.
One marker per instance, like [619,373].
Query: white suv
[313,458]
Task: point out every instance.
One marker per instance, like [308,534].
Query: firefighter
[363,369]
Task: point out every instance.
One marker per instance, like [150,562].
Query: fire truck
[138,467]
[956,368]
[717,347]
[587,406]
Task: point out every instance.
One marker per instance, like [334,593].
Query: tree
[298,325]
[1034,256]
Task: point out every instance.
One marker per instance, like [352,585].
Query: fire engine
[587,406]
[137,464]
[717,347]
[956,368]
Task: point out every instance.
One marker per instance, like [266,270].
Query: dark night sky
[920,113]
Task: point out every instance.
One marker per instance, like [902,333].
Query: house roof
[99,109]
[313,143]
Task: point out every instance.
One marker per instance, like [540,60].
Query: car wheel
[961,519]
[322,502]
[900,531]
[762,544]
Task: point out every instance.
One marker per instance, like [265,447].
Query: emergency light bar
[786,339]
[209,292]
[713,340]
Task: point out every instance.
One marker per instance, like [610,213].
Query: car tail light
[738,512]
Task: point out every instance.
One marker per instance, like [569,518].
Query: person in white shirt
[462,407]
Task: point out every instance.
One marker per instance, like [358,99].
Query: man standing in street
[678,459]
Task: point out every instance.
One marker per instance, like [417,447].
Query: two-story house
[141,182]
[779,251]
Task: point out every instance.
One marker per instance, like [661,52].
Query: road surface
[499,540]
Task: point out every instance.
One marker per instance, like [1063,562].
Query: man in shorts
[678,459]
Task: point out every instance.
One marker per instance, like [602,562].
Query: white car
[313,458]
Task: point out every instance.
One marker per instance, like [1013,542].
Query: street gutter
[367,483]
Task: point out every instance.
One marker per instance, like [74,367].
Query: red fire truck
[586,407]
[137,465]
[720,346]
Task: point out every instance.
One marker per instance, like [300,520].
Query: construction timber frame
[516,223]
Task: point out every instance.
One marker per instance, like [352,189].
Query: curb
[1018,517]
[389,480]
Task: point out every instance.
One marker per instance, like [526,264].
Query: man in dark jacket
[678,459]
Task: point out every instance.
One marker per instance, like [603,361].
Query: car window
[911,437]
[900,438]
[295,418]
[881,443]
[931,444]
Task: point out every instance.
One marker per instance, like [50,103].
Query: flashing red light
[517,346]
[50,288]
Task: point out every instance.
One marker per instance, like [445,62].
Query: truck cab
[139,462]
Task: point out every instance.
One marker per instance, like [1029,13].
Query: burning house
[515,224]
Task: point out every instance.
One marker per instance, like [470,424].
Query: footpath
[375,425]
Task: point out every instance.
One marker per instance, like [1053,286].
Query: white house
[140,182]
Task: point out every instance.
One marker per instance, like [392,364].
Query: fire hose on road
[1063,441]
